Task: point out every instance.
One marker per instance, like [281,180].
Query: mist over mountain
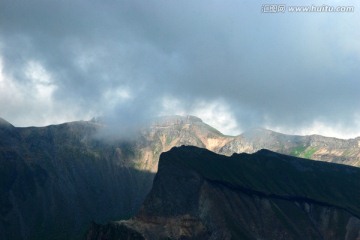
[56,180]
[234,64]
[198,194]
[131,59]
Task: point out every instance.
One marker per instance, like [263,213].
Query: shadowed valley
[56,180]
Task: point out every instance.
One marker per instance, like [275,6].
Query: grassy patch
[309,152]
[298,151]
[303,151]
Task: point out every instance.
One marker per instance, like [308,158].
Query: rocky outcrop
[176,131]
[311,147]
[198,194]
[55,180]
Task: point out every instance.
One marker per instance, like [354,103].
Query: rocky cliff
[198,194]
[176,131]
[55,180]
[311,147]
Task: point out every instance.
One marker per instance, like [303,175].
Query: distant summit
[82,177]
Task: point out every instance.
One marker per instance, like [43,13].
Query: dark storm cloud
[120,58]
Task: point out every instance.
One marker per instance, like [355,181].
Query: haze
[223,61]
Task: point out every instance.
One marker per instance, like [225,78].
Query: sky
[227,62]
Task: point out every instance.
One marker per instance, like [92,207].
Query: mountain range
[198,194]
[55,180]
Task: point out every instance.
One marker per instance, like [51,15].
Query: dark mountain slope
[55,180]
[198,194]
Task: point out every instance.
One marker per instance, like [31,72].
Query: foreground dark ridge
[198,194]
[55,180]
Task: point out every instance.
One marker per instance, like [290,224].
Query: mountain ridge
[61,166]
[3,122]
[191,210]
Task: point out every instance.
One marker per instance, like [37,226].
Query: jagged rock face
[56,179]
[168,132]
[311,147]
[200,195]
[177,131]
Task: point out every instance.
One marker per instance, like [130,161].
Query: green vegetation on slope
[309,152]
[303,151]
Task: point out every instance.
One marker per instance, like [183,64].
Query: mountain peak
[266,152]
[4,123]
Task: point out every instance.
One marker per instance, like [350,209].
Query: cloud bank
[227,62]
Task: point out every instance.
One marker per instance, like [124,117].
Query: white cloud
[40,81]
[215,113]
[117,96]
[32,103]
[321,128]
[171,106]
[286,71]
